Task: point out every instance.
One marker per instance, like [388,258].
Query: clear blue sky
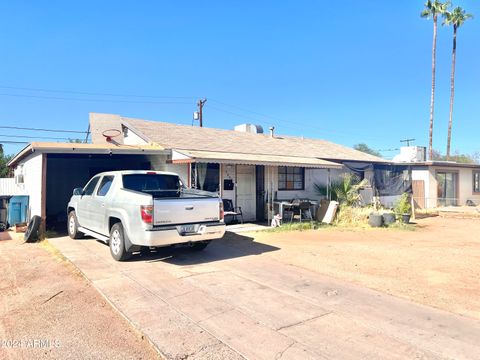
[346,71]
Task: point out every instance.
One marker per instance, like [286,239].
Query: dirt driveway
[49,311]
[268,296]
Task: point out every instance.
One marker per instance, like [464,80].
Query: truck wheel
[199,245]
[117,243]
[73,226]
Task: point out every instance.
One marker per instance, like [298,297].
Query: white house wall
[32,174]
[465,184]
[312,177]
[130,138]
[425,175]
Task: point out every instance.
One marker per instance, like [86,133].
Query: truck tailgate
[176,211]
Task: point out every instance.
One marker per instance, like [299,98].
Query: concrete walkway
[233,301]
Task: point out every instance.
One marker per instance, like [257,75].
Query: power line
[96,100]
[34,137]
[95,93]
[12,142]
[38,129]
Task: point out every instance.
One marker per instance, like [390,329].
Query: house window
[476,181]
[206,176]
[291,178]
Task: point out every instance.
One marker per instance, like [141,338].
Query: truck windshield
[158,185]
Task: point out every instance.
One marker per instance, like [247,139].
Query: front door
[246,194]
[260,192]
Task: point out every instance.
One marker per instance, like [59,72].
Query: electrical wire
[12,142]
[40,129]
[96,100]
[33,137]
[95,93]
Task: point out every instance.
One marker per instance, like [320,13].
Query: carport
[50,171]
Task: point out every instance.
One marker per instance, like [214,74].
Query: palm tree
[431,11]
[456,17]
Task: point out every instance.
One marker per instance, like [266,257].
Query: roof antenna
[408,141]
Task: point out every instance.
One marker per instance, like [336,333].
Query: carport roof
[80,148]
[188,156]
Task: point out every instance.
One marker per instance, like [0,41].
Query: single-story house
[444,183]
[440,183]
[245,165]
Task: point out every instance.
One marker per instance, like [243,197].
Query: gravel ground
[50,311]
[436,265]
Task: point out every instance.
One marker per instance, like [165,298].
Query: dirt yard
[48,311]
[436,265]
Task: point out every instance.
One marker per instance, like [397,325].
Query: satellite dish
[196,115]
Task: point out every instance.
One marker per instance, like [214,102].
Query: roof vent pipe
[271,128]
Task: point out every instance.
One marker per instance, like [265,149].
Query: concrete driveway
[234,301]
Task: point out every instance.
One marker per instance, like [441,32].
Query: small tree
[403,207]
[4,159]
[366,149]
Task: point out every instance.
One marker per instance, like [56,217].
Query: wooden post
[43,199]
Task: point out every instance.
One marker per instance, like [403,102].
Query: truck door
[98,206]
[84,204]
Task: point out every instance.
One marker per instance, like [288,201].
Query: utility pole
[200,104]
[408,141]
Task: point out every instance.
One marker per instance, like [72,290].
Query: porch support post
[269,191]
[328,185]
[220,179]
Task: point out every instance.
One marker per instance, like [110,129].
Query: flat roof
[82,148]
[440,164]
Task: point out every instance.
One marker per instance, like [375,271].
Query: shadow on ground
[231,246]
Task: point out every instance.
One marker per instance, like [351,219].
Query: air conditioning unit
[19,180]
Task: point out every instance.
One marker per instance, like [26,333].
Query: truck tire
[117,243]
[72,226]
[199,245]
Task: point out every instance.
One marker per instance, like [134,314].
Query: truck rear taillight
[147,213]
[220,211]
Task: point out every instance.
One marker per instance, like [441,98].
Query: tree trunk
[452,90]
[432,98]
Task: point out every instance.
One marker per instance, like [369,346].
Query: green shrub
[403,205]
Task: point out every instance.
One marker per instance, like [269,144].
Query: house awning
[191,156]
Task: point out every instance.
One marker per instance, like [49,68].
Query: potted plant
[403,209]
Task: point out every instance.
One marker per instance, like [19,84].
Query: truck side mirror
[78,191]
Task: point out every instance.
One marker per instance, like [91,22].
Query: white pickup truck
[137,210]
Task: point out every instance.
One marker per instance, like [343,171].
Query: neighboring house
[250,168]
[440,183]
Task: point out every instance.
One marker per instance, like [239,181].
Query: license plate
[186,229]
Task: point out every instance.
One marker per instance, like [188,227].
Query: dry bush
[352,216]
